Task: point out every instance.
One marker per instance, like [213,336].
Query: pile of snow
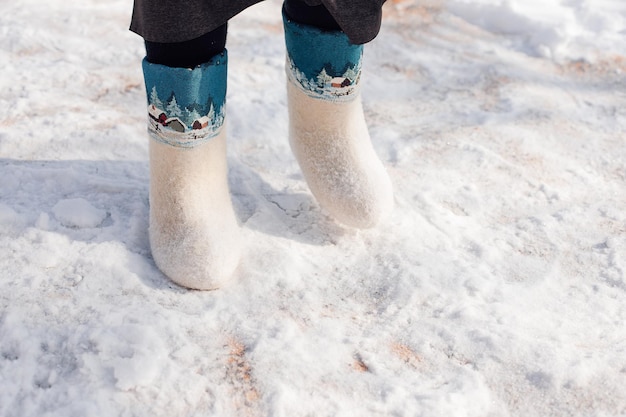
[78,212]
[556,29]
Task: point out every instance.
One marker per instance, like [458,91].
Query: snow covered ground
[497,288]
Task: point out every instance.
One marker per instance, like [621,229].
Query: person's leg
[194,234]
[327,128]
[188,54]
[317,16]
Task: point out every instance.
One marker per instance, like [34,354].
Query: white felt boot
[331,142]
[327,128]
[194,233]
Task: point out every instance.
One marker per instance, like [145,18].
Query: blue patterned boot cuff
[186,106]
[323,64]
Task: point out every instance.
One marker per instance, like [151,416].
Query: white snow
[78,212]
[497,288]
[558,29]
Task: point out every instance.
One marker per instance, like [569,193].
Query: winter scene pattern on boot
[186,106]
[323,64]
[324,85]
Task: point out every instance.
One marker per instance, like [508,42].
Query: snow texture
[496,288]
[78,212]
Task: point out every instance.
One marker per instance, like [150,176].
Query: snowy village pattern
[327,85]
[186,126]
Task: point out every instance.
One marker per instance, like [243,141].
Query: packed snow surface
[496,288]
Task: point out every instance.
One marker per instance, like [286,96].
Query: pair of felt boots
[194,233]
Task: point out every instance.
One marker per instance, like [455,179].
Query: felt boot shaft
[186,106]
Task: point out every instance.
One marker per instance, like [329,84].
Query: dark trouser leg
[188,54]
[317,16]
